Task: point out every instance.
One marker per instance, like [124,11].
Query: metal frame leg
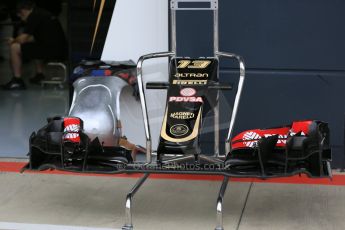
[220,204]
[129,225]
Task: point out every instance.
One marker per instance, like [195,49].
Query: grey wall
[294,52]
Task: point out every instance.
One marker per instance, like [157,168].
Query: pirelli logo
[189,82]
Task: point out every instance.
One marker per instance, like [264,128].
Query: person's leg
[25,51]
[16,63]
[16,59]
[39,72]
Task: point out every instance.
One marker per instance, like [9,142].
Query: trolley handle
[157,85]
[220,86]
[194,4]
[166,85]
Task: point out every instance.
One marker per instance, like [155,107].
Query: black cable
[244,206]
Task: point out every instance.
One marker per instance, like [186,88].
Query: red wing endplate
[302,147]
[249,138]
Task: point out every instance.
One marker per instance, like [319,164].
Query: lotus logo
[179,130]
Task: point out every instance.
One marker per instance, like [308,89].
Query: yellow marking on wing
[165,136]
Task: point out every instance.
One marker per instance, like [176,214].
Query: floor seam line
[244,205]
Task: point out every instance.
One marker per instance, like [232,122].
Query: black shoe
[37,79]
[15,84]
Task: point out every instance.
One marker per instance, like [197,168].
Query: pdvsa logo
[186,99]
[187,96]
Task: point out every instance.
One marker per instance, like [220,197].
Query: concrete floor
[23,112]
[98,202]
